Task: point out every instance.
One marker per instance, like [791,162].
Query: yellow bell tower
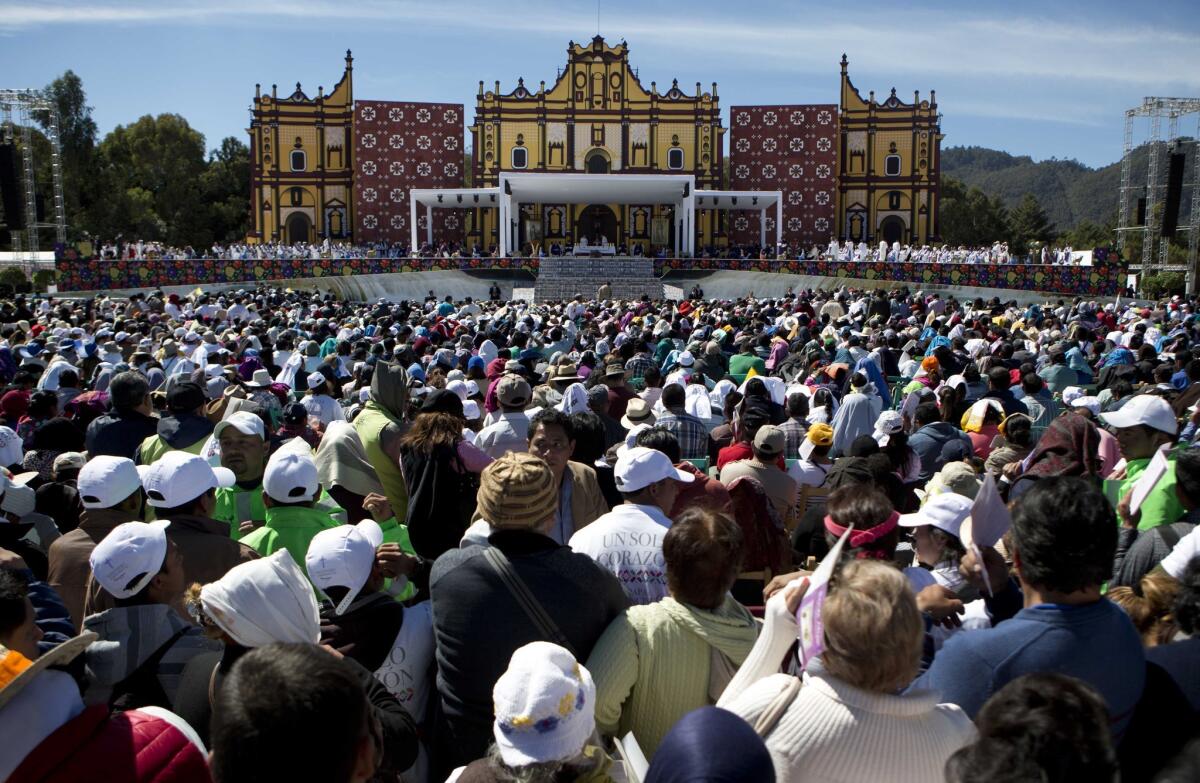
[301,167]
[889,167]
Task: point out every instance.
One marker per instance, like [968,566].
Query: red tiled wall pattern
[397,147]
[792,149]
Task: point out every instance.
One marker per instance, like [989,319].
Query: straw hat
[17,671]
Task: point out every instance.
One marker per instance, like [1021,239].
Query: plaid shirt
[794,430]
[637,366]
[689,431]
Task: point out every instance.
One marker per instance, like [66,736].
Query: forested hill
[1067,190]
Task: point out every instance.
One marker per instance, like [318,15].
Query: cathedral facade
[333,167]
[597,118]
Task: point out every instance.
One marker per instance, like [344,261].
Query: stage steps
[564,277]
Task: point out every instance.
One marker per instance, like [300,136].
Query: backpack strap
[1168,534]
[529,604]
[141,687]
[776,708]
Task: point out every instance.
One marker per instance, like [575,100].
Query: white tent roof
[464,198]
[737,199]
[598,188]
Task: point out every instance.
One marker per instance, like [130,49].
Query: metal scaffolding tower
[1154,256]
[19,110]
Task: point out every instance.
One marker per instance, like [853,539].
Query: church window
[675,158]
[297,196]
[891,165]
[520,157]
[298,160]
[893,199]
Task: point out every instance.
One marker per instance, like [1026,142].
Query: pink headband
[861,538]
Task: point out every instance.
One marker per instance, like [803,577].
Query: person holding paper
[848,710]
[1063,542]
[1137,552]
[1145,425]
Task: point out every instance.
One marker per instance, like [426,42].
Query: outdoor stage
[76,274]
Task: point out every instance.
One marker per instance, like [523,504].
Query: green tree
[1029,224]
[225,185]
[1089,234]
[970,217]
[150,173]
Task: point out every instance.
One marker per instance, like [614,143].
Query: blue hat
[416,373]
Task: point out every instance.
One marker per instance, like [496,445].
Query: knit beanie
[517,490]
[544,705]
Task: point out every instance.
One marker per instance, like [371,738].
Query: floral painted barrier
[1103,279]
[89,274]
[79,274]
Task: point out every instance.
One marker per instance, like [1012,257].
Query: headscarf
[972,418]
[49,379]
[711,745]
[264,601]
[574,399]
[720,392]
[342,461]
[855,417]
[696,402]
[869,368]
[1118,356]
[1068,447]
[154,377]
[1077,362]
[488,351]
[102,376]
[328,347]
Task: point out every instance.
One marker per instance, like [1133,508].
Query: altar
[594,249]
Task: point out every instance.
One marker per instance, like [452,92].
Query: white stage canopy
[516,189]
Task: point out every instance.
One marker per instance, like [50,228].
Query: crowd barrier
[76,273]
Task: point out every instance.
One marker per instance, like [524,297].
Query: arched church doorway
[598,224]
[892,229]
[298,226]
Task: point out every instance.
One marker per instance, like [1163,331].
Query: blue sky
[1047,79]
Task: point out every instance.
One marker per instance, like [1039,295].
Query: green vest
[236,505]
[291,528]
[396,533]
[154,447]
[1161,506]
[370,424]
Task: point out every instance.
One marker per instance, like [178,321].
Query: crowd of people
[272,535]
[848,251]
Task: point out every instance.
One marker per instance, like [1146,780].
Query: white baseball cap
[291,477]
[105,481]
[343,557]
[130,556]
[1147,409]
[1091,403]
[945,511]
[244,422]
[639,467]
[315,380]
[178,477]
